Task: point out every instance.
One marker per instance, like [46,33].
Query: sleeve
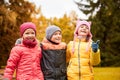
[11,63]
[68,52]
[18,41]
[95,57]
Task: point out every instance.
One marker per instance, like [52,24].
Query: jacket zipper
[79,58]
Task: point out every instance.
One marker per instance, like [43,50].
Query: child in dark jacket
[53,55]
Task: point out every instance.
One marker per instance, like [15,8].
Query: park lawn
[101,73]
[107,73]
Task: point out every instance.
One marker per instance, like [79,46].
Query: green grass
[107,73]
[103,73]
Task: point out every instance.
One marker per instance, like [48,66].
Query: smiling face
[83,30]
[29,34]
[56,37]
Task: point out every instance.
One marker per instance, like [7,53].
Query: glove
[95,45]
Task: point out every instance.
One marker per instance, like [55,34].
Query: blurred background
[104,15]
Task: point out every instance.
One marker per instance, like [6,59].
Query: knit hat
[51,30]
[25,26]
[78,24]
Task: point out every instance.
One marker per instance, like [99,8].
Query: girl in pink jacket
[25,57]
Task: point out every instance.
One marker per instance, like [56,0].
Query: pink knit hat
[25,26]
[78,24]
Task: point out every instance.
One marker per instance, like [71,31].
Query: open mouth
[30,39]
[57,39]
[83,31]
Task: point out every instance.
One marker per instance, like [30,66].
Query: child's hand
[95,45]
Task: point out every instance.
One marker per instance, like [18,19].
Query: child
[54,55]
[25,57]
[80,55]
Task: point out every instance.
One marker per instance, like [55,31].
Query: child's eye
[27,33]
[60,34]
[87,27]
[82,26]
[32,33]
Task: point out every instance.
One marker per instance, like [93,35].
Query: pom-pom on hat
[25,26]
[51,30]
[78,24]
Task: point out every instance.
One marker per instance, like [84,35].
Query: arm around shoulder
[69,51]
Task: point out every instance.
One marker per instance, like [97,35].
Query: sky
[57,8]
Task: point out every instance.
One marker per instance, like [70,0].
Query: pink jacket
[26,62]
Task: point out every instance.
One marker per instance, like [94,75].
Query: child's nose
[59,35]
[29,35]
[84,28]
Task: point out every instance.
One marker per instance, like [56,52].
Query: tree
[106,27]
[12,14]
